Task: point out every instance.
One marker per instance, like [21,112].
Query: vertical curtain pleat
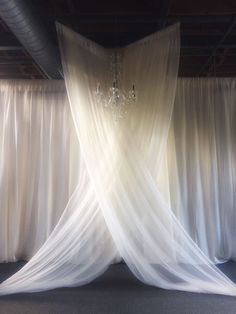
[201,156]
[37,147]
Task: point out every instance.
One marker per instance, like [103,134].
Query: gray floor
[116,291]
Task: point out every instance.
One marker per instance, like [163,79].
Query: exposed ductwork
[33,36]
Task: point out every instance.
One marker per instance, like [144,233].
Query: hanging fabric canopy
[121,187]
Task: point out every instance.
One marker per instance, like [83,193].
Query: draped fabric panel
[79,248]
[120,162]
[201,161]
[38,163]
[121,205]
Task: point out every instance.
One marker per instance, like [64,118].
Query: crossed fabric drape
[121,187]
[123,159]
[202,131]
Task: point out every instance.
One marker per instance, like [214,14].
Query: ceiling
[208,31]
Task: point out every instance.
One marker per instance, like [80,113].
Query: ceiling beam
[9,48]
[8,61]
[218,46]
[138,18]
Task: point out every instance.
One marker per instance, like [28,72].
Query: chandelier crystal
[116,100]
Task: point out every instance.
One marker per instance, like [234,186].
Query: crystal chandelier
[117,101]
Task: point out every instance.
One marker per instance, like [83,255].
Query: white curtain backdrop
[122,204]
[201,163]
[35,116]
[38,163]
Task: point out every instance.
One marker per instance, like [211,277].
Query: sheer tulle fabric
[121,187]
[123,159]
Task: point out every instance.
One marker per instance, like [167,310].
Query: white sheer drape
[80,247]
[123,159]
[121,189]
[38,163]
[201,162]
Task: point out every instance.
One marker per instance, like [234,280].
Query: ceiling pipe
[30,32]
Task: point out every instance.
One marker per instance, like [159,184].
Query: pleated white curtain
[201,158]
[38,163]
[121,205]
[201,151]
